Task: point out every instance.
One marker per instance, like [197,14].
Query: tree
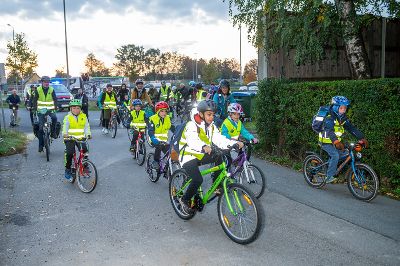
[21,61]
[131,60]
[210,73]
[250,71]
[60,72]
[95,67]
[311,26]
[152,59]
[230,68]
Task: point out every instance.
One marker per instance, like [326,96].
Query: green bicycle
[239,212]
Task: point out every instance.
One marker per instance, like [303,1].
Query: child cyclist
[76,125]
[195,146]
[159,125]
[138,122]
[233,128]
[334,126]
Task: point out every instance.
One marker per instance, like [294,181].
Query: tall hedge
[285,110]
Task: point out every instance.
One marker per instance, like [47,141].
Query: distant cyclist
[13,101]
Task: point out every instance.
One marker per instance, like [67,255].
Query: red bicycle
[140,148]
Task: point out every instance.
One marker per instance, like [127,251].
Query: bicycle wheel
[141,153]
[114,127]
[87,180]
[47,145]
[172,167]
[128,130]
[176,182]
[253,178]
[314,171]
[151,172]
[243,223]
[148,139]
[366,186]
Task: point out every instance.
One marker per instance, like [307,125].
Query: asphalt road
[129,220]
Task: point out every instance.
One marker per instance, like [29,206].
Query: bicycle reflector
[358,147]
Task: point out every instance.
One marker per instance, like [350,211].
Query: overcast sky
[102,26]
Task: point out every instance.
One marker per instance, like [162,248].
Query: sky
[199,29]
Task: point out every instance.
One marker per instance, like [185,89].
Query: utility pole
[15,57]
[66,44]
[240,54]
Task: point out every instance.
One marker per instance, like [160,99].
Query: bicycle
[124,114]
[235,204]
[140,151]
[13,115]
[113,123]
[361,178]
[166,166]
[247,173]
[149,111]
[82,168]
[46,133]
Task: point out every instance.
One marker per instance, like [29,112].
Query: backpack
[319,119]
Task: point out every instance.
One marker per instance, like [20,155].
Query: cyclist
[108,102]
[85,101]
[140,93]
[45,98]
[201,94]
[122,92]
[335,125]
[159,125]
[29,96]
[195,146]
[165,92]
[75,125]
[223,98]
[13,101]
[137,123]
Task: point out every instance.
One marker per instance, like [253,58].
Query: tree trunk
[355,50]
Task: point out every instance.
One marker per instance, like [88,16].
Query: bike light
[359,155]
[45,124]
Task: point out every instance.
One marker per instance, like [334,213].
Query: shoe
[106,131]
[185,207]
[103,130]
[68,175]
[132,148]
[40,149]
[330,179]
[218,191]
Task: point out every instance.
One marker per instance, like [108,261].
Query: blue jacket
[243,131]
[330,123]
[99,100]
[223,103]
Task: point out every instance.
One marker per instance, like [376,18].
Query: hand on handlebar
[207,149]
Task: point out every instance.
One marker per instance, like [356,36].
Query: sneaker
[330,179]
[40,149]
[103,130]
[106,131]
[185,207]
[68,175]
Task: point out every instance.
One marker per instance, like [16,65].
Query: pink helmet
[235,108]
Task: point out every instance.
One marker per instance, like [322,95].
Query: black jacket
[83,98]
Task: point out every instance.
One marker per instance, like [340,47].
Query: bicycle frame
[78,162]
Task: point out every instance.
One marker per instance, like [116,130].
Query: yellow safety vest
[45,101]
[200,96]
[338,129]
[233,131]
[76,125]
[161,129]
[138,119]
[110,101]
[202,135]
[164,93]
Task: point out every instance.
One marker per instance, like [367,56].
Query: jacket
[143,97]
[229,124]
[223,102]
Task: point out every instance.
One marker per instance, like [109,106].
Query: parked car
[75,83]
[63,95]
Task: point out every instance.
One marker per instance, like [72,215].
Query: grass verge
[12,142]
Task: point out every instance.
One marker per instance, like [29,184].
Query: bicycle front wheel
[179,180]
[129,134]
[114,127]
[314,171]
[87,177]
[151,172]
[47,145]
[253,178]
[140,152]
[240,214]
[364,183]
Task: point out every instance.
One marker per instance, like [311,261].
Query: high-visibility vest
[110,101]
[338,129]
[233,131]
[76,125]
[138,119]
[202,135]
[164,93]
[200,96]
[161,129]
[45,101]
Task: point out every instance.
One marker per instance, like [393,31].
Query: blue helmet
[192,83]
[136,102]
[338,101]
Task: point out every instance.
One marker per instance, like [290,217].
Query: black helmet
[109,85]
[224,83]
[199,86]
[207,105]
[139,81]
[45,78]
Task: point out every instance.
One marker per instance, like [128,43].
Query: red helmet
[161,105]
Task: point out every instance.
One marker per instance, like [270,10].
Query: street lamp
[15,55]
[196,67]
[66,44]
[240,54]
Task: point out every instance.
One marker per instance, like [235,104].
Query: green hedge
[285,110]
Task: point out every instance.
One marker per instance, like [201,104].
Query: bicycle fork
[250,179]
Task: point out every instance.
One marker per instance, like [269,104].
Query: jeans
[334,155]
[42,119]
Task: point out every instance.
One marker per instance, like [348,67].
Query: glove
[89,136]
[364,142]
[339,145]
[255,140]
[154,140]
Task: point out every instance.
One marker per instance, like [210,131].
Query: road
[129,220]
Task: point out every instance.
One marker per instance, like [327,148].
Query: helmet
[75,102]
[340,100]
[207,105]
[161,105]
[109,85]
[199,86]
[123,85]
[224,83]
[45,79]
[235,108]
[173,88]
[139,81]
[192,83]
[136,102]
[162,82]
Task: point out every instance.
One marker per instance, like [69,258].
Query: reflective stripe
[110,102]
[45,101]
[76,130]
[338,129]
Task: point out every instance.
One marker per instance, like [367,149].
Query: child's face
[342,109]
[208,116]
[235,116]
[162,113]
[137,107]
[75,110]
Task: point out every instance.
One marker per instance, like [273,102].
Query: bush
[285,110]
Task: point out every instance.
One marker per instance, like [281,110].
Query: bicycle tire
[258,191]
[92,183]
[114,128]
[175,166]
[227,223]
[141,153]
[309,164]
[152,173]
[352,182]
[129,134]
[173,187]
[47,145]
[148,140]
